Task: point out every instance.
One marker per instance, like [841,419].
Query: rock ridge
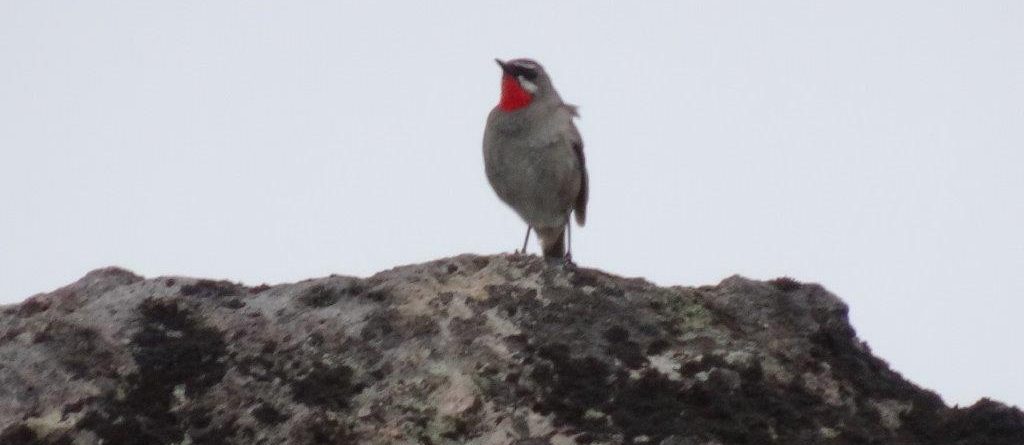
[502,349]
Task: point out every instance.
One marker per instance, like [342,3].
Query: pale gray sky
[874,147]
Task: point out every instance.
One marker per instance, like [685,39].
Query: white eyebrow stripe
[527,85]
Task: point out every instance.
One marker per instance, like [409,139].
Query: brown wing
[580,206]
[581,200]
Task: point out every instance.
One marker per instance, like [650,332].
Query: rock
[471,349]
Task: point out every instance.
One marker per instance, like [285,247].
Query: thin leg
[525,241]
[568,241]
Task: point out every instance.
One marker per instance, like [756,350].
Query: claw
[569,264]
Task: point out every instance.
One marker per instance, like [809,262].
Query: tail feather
[552,241]
[580,205]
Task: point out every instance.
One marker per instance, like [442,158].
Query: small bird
[533,156]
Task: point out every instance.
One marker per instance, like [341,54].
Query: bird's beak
[503,65]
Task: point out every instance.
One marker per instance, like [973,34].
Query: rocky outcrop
[470,349]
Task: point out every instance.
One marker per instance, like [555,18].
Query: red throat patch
[513,96]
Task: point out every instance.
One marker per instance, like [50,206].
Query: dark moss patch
[419,326]
[705,363]
[986,422]
[481,262]
[752,412]
[510,300]
[266,413]
[19,434]
[172,348]
[624,349]
[653,406]
[607,284]
[376,295]
[75,406]
[616,334]
[33,306]
[328,387]
[460,431]
[836,343]
[234,303]
[260,289]
[211,289]
[315,339]
[379,329]
[269,347]
[442,301]
[262,367]
[657,346]
[23,435]
[77,348]
[466,331]
[586,277]
[725,417]
[380,372]
[203,430]
[11,334]
[529,265]
[508,292]
[518,342]
[326,294]
[322,430]
[570,386]
[724,406]
[785,284]
[386,328]
[320,296]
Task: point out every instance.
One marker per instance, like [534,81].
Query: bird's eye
[525,70]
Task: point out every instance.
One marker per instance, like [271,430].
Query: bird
[533,156]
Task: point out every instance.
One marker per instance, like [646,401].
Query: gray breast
[532,168]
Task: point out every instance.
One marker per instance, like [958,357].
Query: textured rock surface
[471,349]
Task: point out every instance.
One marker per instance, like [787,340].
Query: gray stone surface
[470,349]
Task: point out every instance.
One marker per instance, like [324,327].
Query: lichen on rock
[505,349]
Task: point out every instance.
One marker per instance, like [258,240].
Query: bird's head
[522,81]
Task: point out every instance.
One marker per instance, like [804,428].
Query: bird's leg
[568,241]
[525,241]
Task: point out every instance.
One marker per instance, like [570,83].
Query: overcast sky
[874,147]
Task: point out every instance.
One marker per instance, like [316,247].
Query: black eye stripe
[529,73]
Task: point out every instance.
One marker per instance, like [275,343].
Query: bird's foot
[564,262]
[569,264]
